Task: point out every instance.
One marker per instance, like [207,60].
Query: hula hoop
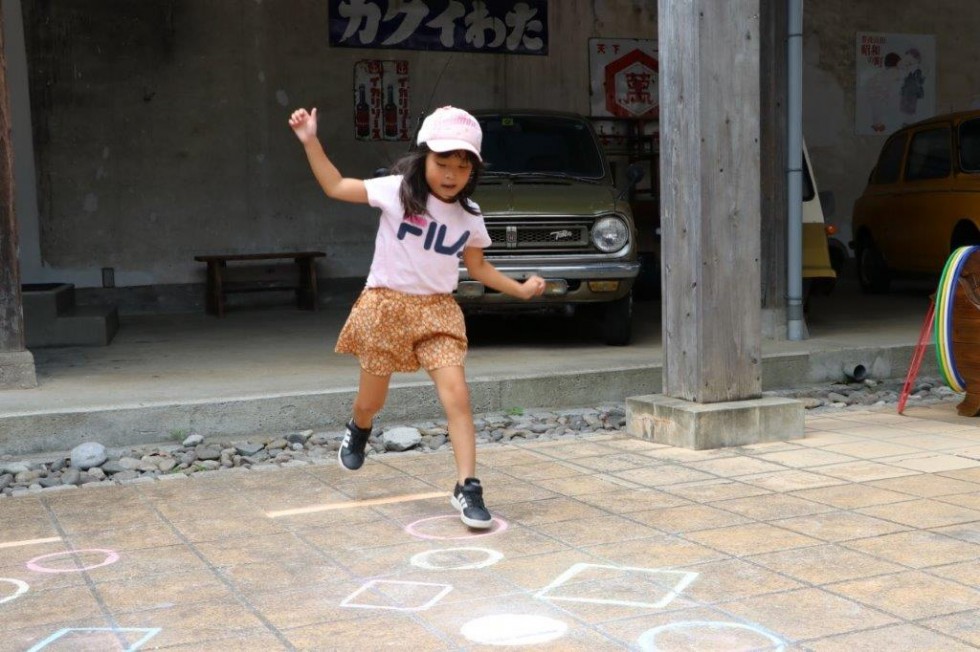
[943,330]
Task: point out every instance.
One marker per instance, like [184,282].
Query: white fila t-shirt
[420,255]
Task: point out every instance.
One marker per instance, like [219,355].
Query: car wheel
[647,284]
[838,256]
[617,321]
[872,272]
[964,236]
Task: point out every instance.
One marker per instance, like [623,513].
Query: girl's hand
[303,124]
[532,287]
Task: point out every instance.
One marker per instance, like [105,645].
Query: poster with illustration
[896,81]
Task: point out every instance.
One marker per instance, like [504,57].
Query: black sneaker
[351,453]
[468,499]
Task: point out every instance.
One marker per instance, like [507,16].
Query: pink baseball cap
[448,129]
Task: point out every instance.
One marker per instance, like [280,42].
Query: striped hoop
[945,296]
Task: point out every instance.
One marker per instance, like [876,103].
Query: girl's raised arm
[333,183]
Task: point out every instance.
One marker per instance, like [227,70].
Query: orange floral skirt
[392,331]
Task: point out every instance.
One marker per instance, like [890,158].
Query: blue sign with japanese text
[492,26]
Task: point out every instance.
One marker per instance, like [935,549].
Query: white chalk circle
[453,555]
[111,557]
[21,589]
[413,529]
[513,629]
[695,641]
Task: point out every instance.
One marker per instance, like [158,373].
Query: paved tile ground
[865,535]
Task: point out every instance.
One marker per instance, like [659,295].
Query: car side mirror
[828,203]
[634,173]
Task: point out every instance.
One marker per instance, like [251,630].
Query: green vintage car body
[552,208]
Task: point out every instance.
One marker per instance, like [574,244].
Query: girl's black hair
[414,191]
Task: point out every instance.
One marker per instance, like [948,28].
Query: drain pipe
[854,373]
[796,327]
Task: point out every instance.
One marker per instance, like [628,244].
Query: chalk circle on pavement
[111,557]
[707,634]
[415,529]
[456,559]
[21,589]
[513,629]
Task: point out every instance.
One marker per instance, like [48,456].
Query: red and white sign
[381,100]
[624,75]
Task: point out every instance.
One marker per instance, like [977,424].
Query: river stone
[13,468]
[113,467]
[85,456]
[192,441]
[209,453]
[71,476]
[401,439]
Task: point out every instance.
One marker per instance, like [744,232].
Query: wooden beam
[11,308]
[16,363]
[710,207]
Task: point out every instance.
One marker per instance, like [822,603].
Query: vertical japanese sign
[623,74]
[896,81]
[495,26]
[381,100]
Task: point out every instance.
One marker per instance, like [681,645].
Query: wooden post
[710,130]
[710,208]
[16,363]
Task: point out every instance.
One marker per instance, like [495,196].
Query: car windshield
[540,146]
[970,146]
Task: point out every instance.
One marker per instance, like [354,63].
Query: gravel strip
[91,464]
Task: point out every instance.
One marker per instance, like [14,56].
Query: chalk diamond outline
[349,600]
[149,632]
[684,579]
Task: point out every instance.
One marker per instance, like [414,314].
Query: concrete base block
[676,422]
[17,370]
[51,318]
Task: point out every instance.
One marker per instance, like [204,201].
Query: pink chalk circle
[111,557]
[499,525]
[21,589]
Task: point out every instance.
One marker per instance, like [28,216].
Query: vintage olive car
[922,200]
[552,209]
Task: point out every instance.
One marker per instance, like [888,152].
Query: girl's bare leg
[455,398]
[371,395]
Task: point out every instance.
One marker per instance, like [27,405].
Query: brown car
[922,200]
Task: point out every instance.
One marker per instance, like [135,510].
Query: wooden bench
[260,279]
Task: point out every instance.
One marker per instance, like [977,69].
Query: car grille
[549,236]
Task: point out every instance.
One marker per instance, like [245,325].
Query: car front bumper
[566,283]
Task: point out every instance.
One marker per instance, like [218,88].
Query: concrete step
[47,300]
[51,318]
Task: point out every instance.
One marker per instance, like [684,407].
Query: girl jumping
[406,317]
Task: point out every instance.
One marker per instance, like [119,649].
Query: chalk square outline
[575,569]
[150,633]
[446,588]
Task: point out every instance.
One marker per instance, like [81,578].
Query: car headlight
[610,234]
